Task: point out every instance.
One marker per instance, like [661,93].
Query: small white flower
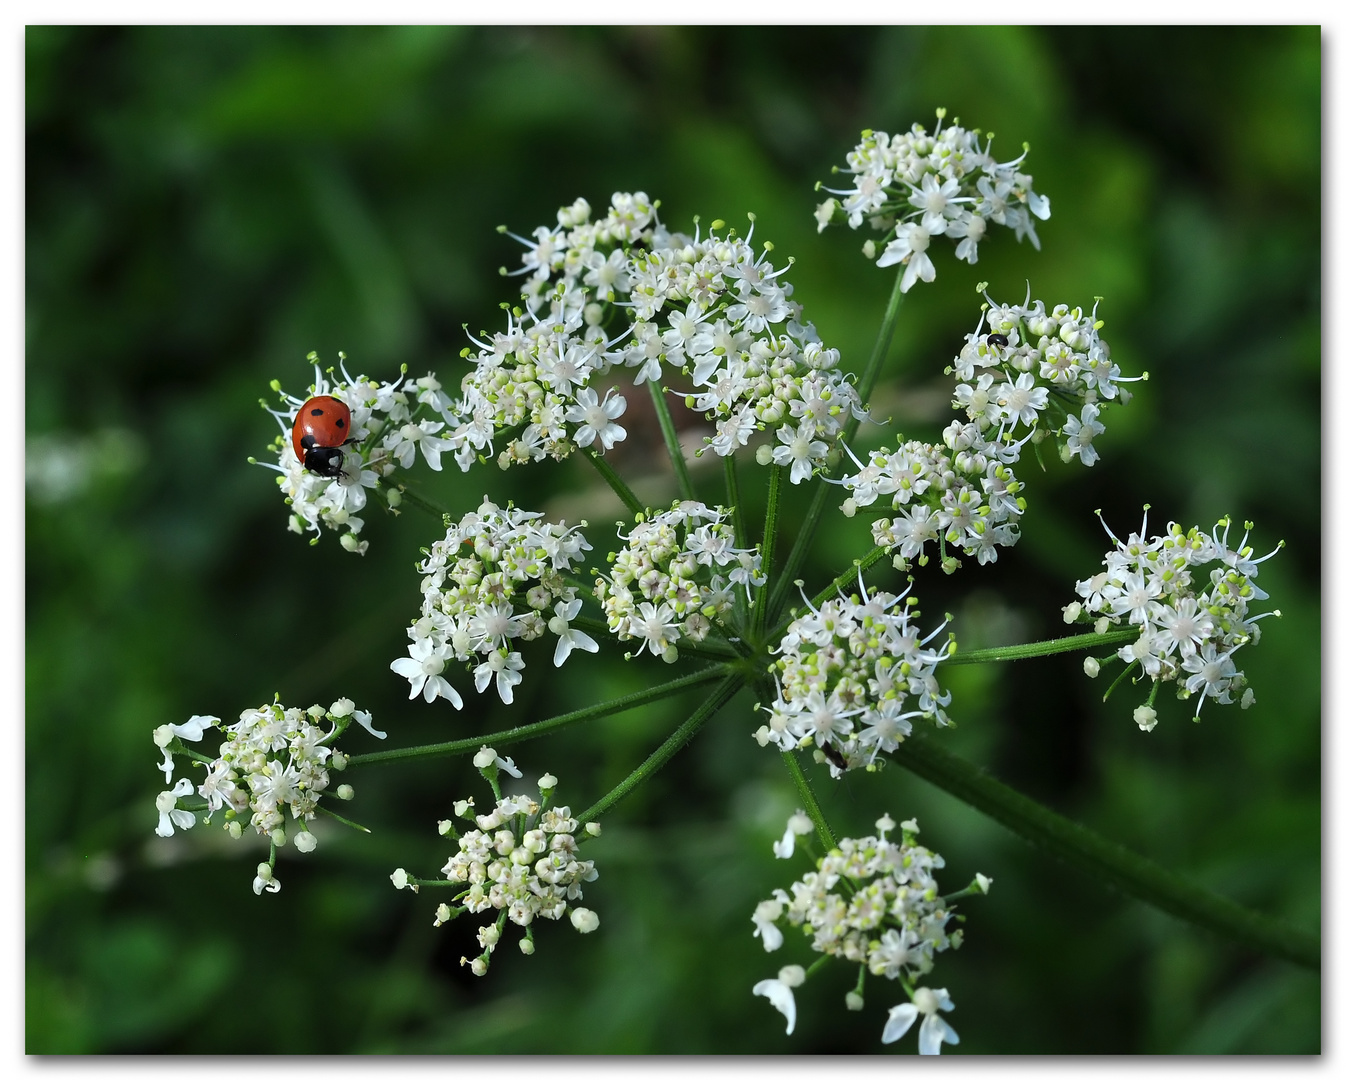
[583,920]
[597,420]
[265,880]
[169,815]
[780,992]
[566,637]
[1145,717]
[422,668]
[764,918]
[934,1029]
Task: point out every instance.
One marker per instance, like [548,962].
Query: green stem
[1044,648]
[870,376]
[804,538]
[735,501]
[528,731]
[759,607]
[838,583]
[675,742]
[803,541]
[1105,859]
[345,821]
[614,481]
[811,807]
[671,441]
[419,501]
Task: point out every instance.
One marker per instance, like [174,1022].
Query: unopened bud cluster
[275,761]
[390,423]
[851,676]
[496,578]
[1192,620]
[917,185]
[675,578]
[519,860]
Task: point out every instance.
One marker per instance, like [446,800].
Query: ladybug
[322,427]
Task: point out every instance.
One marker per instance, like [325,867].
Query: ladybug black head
[324,460]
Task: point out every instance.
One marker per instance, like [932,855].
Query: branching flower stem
[1106,860]
[675,453]
[839,583]
[529,731]
[804,538]
[615,482]
[718,698]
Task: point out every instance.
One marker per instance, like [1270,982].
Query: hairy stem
[1044,648]
[675,453]
[417,500]
[1105,859]
[759,608]
[615,482]
[529,731]
[675,742]
[735,501]
[810,801]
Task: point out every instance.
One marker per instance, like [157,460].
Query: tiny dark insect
[833,755]
[998,339]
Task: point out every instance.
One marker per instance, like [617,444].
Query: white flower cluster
[918,185]
[390,422]
[273,760]
[669,581]
[519,859]
[1023,374]
[491,580]
[1191,624]
[1026,371]
[852,675]
[623,292]
[876,903]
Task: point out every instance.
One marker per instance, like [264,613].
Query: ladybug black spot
[308,442]
[341,423]
[316,412]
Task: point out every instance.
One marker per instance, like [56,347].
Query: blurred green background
[207,205]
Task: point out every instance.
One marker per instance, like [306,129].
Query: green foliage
[207,205]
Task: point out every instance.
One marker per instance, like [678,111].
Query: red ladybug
[322,427]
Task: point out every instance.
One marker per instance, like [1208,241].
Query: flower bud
[584,920]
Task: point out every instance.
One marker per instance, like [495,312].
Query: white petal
[581,640]
[934,1031]
[563,647]
[367,722]
[900,1018]
[782,997]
